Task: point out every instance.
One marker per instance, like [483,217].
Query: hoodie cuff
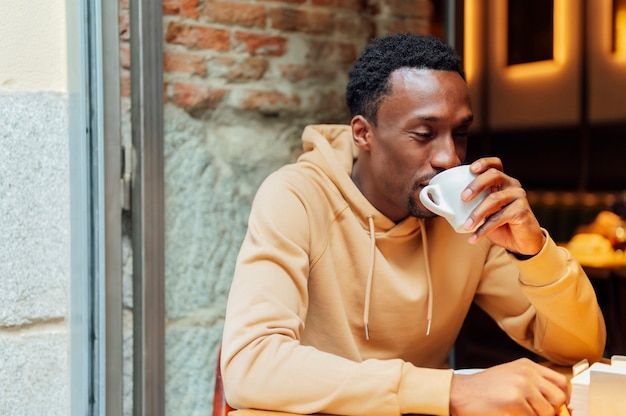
[544,268]
[424,390]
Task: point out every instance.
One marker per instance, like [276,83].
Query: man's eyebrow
[465,120]
[428,118]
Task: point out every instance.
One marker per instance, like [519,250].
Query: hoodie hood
[331,149]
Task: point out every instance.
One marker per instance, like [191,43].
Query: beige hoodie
[321,270]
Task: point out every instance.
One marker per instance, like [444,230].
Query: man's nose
[444,154]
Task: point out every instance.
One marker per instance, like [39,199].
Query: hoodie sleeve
[559,318]
[264,365]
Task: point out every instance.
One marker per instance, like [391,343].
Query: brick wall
[273,57]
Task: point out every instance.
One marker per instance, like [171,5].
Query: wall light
[471,23]
[534,69]
[619,29]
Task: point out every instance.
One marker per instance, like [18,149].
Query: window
[530,31]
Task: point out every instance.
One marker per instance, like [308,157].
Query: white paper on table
[607,391]
[599,390]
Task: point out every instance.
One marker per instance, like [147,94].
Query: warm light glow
[531,70]
[561,13]
[534,69]
[620,33]
[470,46]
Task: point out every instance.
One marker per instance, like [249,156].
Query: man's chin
[424,214]
[421,212]
[416,208]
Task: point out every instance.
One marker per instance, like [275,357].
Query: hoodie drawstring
[370,276]
[429,313]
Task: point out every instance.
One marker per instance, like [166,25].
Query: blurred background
[134,136]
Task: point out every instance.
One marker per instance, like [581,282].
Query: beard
[416,209]
[413,205]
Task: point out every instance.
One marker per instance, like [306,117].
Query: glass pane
[530,31]
[242,79]
[438,24]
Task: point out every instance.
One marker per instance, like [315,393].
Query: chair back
[220,406]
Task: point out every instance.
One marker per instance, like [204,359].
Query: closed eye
[421,136]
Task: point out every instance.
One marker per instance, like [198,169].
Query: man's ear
[361,132]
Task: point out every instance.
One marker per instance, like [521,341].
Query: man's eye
[422,135]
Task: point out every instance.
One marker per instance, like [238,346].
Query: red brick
[356,5]
[358,26]
[295,20]
[165,93]
[184,62]
[411,8]
[221,64]
[374,9]
[125,55]
[186,8]
[250,15]
[298,73]
[125,84]
[295,73]
[251,68]
[190,8]
[196,36]
[346,53]
[260,44]
[194,98]
[283,1]
[269,101]
[124,26]
[331,52]
[417,26]
[170,7]
[329,106]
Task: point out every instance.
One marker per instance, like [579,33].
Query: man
[348,294]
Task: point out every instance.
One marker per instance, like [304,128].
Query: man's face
[422,129]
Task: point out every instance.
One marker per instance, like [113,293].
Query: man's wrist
[522,257]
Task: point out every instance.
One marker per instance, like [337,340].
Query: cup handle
[432,199]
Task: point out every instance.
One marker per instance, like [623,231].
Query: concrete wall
[33,47]
[34,202]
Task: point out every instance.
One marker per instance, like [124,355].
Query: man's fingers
[552,392]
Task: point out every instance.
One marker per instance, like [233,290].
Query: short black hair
[368,79]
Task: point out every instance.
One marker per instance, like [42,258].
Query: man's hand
[509,220]
[520,387]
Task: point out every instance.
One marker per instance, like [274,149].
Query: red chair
[220,406]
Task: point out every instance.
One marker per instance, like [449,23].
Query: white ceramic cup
[443,197]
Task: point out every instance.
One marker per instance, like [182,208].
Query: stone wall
[34,210]
[241,80]
[34,254]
